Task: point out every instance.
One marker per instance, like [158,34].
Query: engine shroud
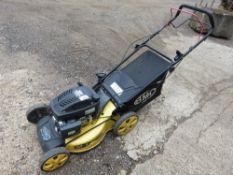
[75,103]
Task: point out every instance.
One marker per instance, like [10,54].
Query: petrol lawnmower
[78,119]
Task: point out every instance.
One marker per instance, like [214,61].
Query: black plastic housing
[75,103]
[70,128]
[139,82]
[48,137]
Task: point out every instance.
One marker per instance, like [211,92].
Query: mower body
[82,116]
[78,119]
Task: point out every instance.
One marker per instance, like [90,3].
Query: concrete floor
[47,46]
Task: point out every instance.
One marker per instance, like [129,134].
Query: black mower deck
[126,83]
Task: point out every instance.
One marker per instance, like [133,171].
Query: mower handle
[179,56]
[210,16]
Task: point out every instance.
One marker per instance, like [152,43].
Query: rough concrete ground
[47,46]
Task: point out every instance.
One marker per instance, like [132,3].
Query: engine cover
[75,103]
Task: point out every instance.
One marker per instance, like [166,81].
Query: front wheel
[54,159]
[36,112]
[125,124]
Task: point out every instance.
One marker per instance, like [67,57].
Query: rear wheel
[36,112]
[125,124]
[54,159]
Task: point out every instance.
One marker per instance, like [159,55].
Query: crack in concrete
[206,97]
[203,131]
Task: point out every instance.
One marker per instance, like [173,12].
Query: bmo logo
[145,96]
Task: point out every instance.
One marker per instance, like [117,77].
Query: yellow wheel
[126,123]
[54,159]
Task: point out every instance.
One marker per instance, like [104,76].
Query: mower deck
[125,84]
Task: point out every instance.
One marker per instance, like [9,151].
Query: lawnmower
[78,119]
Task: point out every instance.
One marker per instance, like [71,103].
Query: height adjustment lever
[100,76]
[178,55]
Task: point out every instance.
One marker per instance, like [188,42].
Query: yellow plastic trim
[93,137]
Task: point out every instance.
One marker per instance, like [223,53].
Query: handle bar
[180,55]
[210,16]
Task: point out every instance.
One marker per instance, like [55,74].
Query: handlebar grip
[210,16]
